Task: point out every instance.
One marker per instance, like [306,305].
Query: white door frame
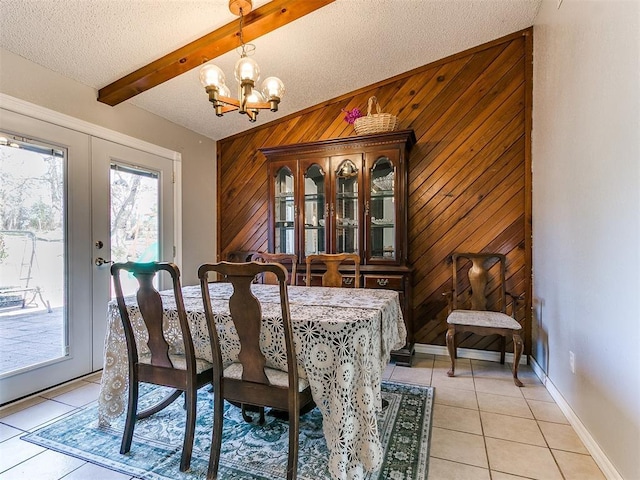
[82,240]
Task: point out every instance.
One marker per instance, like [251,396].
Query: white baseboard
[608,470]
[467,353]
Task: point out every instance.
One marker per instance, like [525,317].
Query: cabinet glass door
[382,211]
[314,210]
[346,214]
[284,212]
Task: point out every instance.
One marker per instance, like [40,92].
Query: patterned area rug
[249,452]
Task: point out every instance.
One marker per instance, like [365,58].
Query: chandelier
[250,100]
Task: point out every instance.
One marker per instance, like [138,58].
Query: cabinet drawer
[390,282]
[348,281]
[316,280]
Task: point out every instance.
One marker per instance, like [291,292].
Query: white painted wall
[28,81]
[586,215]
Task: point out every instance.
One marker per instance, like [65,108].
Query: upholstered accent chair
[478,304]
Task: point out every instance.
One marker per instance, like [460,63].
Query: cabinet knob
[383,282]
[347,280]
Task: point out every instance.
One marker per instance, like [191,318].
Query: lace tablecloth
[343,341]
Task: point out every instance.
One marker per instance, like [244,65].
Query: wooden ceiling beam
[258,22]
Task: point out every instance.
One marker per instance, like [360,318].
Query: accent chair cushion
[479,318]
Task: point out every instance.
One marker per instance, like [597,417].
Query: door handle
[101,261]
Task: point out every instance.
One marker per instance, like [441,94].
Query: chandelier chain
[242,44]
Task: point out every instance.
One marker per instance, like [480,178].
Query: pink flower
[352,115]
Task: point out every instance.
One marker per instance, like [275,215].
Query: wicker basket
[375,123]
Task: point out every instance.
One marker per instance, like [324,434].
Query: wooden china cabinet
[346,195]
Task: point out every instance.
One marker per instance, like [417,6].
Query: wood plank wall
[469,173]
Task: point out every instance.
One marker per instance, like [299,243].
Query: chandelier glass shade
[247,73]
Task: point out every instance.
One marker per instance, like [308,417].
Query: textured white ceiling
[341,47]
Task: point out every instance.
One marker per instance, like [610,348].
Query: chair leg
[247,418]
[130,423]
[216,437]
[189,431]
[503,348]
[451,346]
[292,462]
[517,352]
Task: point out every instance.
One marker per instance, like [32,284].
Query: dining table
[343,339]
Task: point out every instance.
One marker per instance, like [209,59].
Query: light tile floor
[484,427]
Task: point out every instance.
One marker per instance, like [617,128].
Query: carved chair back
[282,258]
[332,277]
[479,281]
[246,314]
[240,256]
[151,310]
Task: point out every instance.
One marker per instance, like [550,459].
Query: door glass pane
[382,210]
[284,212]
[314,211]
[135,221]
[33,314]
[347,208]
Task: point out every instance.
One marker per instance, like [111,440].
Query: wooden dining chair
[240,256]
[478,304]
[332,277]
[248,381]
[282,258]
[183,372]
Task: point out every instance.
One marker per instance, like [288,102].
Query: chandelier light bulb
[224,91]
[255,96]
[212,76]
[272,88]
[247,70]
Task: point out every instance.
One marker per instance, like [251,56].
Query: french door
[133,219]
[70,203]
